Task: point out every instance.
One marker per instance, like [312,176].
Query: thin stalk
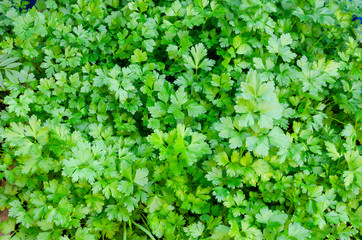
[145,222]
[329,43]
[276,60]
[175,60]
[124,231]
[144,230]
[318,40]
[337,120]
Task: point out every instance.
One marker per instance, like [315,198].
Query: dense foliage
[221,119]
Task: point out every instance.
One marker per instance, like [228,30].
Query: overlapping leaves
[180,120]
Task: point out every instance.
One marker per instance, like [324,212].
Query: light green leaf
[141,176]
[278,138]
[298,232]
[333,217]
[348,177]
[154,203]
[195,230]
[332,151]
[194,109]
[198,53]
[138,56]
[83,234]
[285,39]
[260,145]
[7,226]
[221,232]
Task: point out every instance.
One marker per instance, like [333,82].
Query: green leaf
[332,151]
[7,226]
[154,203]
[176,9]
[221,233]
[83,234]
[269,217]
[141,177]
[286,39]
[278,138]
[225,127]
[220,193]
[117,212]
[195,230]
[44,236]
[198,60]
[138,56]
[126,187]
[346,233]
[195,109]
[179,98]
[280,47]
[348,131]
[261,168]
[332,217]
[215,176]
[223,81]
[264,215]
[348,177]
[149,44]
[297,231]
[260,145]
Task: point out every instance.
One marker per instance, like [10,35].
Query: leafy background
[180,120]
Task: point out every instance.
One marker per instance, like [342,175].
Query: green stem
[144,221]
[329,42]
[291,27]
[318,40]
[37,67]
[130,225]
[124,231]
[175,60]
[202,29]
[14,232]
[337,120]
[144,230]
[276,60]
[290,209]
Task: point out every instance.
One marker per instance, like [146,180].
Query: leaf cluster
[203,119]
